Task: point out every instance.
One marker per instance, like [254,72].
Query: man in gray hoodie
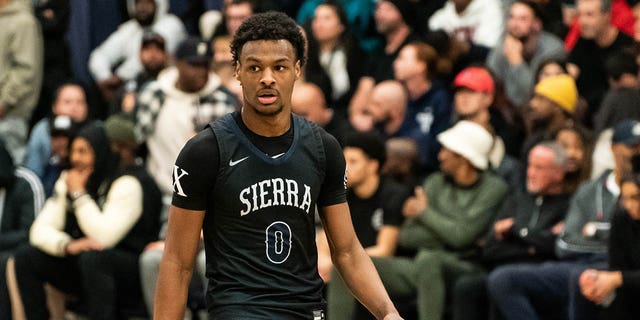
[20,72]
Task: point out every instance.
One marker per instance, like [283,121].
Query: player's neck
[267,126]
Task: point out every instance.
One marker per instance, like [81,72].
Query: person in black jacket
[104,211]
[21,198]
[526,227]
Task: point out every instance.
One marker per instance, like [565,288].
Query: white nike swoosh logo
[233,163]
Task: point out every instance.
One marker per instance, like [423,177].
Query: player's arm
[176,267]
[194,172]
[354,264]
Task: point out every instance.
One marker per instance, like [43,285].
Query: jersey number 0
[278,242]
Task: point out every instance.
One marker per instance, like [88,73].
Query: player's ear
[297,69]
[236,72]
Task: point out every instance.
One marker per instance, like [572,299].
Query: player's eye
[280,68]
[253,68]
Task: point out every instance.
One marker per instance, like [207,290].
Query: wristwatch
[75,195]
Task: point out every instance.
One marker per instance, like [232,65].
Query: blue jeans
[521,291]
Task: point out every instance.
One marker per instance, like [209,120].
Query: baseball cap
[474,78]
[149,37]
[626,132]
[194,50]
[470,140]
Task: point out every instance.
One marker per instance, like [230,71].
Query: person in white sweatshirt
[475,22]
[120,51]
[87,239]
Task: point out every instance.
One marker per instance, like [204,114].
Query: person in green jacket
[444,222]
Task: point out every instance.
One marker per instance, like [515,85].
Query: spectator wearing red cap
[428,110]
[472,100]
[524,46]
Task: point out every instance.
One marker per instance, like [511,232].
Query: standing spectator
[335,60]
[121,50]
[47,150]
[20,72]
[21,198]
[54,20]
[523,47]
[521,291]
[90,232]
[375,204]
[429,108]
[599,40]
[616,289]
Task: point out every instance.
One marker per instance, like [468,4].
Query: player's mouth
[267,98]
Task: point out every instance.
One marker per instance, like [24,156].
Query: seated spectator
[308,101]
[335,60]
[472,22]
[47,150]
[620,102]
[21,198]
[521,50]
[473,100]
[20,73]
[402,161]
[428,110]
[599,40]
[391,18]
[88,237]
[154,58]
[444,222]
[525,229]
[182,101]
[522,291]
[577,143]
[617,288]
[550,68]
[385,111]
[235,12]
[223,65]
[551,108]
[375,203]
[121,50]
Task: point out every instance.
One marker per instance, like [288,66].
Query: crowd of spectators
[493,150]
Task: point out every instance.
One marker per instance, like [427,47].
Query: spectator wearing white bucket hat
[445,220]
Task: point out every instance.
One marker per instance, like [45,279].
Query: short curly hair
[269,26]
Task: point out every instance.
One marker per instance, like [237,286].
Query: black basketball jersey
[259,226]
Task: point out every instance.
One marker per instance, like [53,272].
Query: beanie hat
[469,140]
[407,11]
[560,89]
[370,144]
[119,128]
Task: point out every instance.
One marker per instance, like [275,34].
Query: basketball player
[252,181]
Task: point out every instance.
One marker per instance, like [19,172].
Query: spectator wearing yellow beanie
[561,90]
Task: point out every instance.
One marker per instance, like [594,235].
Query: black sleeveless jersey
[259,227]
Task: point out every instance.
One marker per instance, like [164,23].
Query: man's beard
[145,21]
